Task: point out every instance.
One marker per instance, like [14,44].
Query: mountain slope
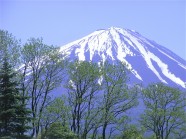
[149,61]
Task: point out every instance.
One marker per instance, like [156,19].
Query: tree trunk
[104,131]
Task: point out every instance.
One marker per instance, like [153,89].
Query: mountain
[149,61]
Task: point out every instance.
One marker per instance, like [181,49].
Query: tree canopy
[164,112]
[94,100]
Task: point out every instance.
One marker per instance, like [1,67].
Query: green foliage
[117,97]
[10,46]
[13,114]
[82,86]
[56,111]
[42,72]
[131,133]
[57,131]
[164,110]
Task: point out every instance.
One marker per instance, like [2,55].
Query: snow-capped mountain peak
[148,61]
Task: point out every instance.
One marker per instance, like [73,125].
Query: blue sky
[62,21]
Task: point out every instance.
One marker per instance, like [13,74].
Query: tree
[55,112]
[58,131]
[14,116]
[42,72]
[82,86]
[12,113]
[180,133]
[164,110]
[118,97]
[10,44]
[131,132]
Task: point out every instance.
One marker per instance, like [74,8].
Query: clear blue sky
[62,21]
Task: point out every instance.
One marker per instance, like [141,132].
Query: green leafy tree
[118,97]
[164,112]
[55,112]
[131,132]
[58,131]
[82,86]
[14,116]
[10,44]
[42,72]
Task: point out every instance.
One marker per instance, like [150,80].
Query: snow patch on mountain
[147,56]
[123,44]
[183,66]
